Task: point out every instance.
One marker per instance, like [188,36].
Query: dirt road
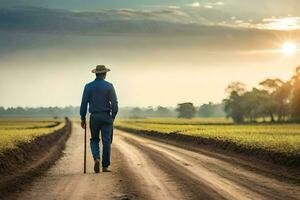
[149,169]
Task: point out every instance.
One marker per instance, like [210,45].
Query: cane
[84,157]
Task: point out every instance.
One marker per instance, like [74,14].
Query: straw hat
[100,69]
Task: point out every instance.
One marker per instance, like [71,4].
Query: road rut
[144,168]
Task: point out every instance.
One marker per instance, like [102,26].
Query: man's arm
[114,102]
[83,107]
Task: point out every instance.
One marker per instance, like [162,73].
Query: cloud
[219,3]
[208,5]
[286,23]
[62,21]
[182,27]
[118,21]
[162,22]
[279,24]
[174,7]
[195,4]
[115,21]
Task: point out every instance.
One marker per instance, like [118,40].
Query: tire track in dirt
[218,179]
[65,180]
[144,168]
[149,178]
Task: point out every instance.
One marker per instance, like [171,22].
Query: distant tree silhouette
[280,97]
[186,110]
[206,110]
[238,87]
[163,112]
[277,100]
[136,112]
[69,111]
[129,112]
[211,110]
[296,96]
[234,104]
[234,107]
[149,112]
[2,110]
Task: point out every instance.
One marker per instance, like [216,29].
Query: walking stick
[84,157]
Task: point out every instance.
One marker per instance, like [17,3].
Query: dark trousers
[97,125]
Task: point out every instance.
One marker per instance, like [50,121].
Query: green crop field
[283,138]
[15,132]
[176,121]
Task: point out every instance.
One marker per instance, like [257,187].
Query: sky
[160,52]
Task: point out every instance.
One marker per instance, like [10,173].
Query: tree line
[69,111]
[188,110]
[183,110]
[273,100]
[205,110]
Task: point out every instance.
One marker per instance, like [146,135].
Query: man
[103,106]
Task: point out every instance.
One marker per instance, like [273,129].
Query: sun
[289,48]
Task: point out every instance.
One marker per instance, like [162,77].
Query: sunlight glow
[289,48]
[288,23]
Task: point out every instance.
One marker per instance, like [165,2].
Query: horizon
[122,107]
[160,52]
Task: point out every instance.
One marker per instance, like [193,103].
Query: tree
[149,112]
[295,107]
[206,110]
[257,103]
[136,112]
[271,85]
[163,112]
[2,111]
[233,105]
[280,93]
[249,105]
[186,110]
[276,99]
[282,97]
[238,87]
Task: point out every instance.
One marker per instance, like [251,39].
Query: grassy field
[177,121]
[14,132]
[283,138]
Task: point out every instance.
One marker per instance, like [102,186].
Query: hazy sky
[160,52]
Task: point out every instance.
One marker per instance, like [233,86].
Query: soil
[149,168]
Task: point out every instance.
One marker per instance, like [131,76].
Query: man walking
[103,106]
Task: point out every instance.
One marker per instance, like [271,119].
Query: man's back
[101,97]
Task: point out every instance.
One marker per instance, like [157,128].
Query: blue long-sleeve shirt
[101,97]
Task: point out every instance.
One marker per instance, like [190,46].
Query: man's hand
[83,124]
